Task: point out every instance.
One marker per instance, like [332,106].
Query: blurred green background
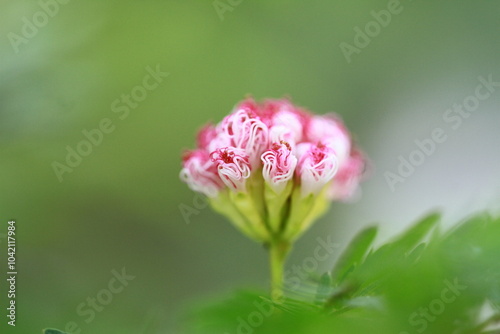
[119,208]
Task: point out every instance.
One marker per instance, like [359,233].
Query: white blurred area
[460,178]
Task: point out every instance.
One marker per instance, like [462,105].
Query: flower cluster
[273,168]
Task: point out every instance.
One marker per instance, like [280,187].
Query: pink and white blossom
[317,166]
[200,173]
[286,122]
[306,161]
[279,165]
[244,129]
[233,167]
[331,131]
[220,140]
[206,136]
[350,174]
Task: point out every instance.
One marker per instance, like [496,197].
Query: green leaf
[52,331]
[353,255]
[415,234]
[391,256]
[415,254]
[471,227]
[323,288]
[381,289]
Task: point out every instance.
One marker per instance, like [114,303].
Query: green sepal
[255,188]
[224,205]
[304,211]
[277,205]
[245,204]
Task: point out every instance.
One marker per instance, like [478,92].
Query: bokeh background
[119,208]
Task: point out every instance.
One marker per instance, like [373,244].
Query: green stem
[278,252]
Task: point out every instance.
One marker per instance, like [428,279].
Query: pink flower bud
[246,131]
[317,166]
[331,131]
[286,122]
[200,173]
[233,167]
[346,181]
[206,135]
[219,141]
[279,165]
[306,161]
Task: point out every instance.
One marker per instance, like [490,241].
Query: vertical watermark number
[11,272]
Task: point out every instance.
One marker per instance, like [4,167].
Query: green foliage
[424,281]
[354,254]
[53,331]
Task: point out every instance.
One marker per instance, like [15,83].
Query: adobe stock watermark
[122,107]
[420,319]
[32,25]
[199,203]
[265,308]
[223,6]
[453,118]
[88,309]
[363,37]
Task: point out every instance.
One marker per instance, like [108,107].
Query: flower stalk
[278,253]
